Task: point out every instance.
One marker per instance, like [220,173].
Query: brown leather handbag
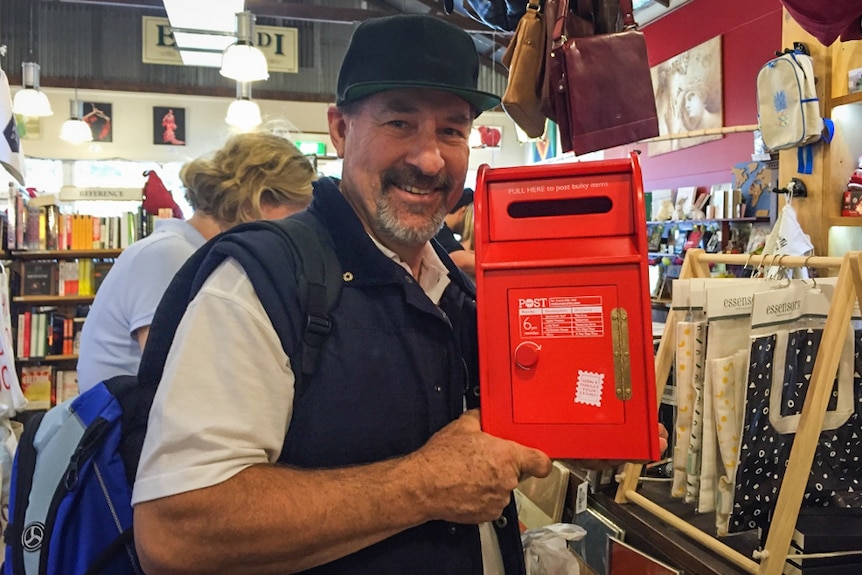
[603,94]
[525,59]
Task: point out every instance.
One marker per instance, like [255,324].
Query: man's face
[405,161]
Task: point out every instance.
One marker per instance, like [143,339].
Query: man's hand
[469,475]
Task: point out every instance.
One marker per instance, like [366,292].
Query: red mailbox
[565,331]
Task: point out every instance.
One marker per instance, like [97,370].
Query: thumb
[534,463]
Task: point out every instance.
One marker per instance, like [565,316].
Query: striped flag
[11,154]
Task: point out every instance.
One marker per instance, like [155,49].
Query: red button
[526,354]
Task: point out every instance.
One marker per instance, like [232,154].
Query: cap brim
[481,101]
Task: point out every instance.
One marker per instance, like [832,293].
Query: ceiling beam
[296,11]
[312,13]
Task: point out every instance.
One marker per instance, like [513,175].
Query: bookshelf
[50,293]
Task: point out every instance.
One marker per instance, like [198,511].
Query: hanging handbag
[525,59]
[577,23]
[604,81]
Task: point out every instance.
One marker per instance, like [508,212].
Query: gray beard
[392,227]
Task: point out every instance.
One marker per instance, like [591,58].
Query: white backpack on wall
[788,110]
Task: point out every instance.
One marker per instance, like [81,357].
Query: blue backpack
[70,505]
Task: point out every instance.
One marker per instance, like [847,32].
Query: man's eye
[397,123]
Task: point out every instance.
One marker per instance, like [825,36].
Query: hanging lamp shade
[75,130]
[243,61]
[243,113]
[31,101]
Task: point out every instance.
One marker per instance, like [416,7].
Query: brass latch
[622,357]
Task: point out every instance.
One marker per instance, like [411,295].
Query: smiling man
[373,466]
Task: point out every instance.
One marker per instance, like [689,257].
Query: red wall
[751,33]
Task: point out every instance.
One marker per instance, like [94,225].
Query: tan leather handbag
[525,59]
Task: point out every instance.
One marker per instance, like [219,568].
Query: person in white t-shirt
[256,175]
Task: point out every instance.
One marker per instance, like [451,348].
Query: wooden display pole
[847,290]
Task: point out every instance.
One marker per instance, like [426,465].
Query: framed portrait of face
[688,98]
[169,126]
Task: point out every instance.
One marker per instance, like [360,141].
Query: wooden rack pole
[806,439]
[811,421]
[688,529]
[704,132]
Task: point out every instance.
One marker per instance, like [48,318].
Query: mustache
[410,176]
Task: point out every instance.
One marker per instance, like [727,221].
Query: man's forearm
[270,519]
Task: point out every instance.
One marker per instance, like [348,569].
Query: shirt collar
[433,275]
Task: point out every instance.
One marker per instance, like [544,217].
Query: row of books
[45,386]
[74,277]
[47,228]
[41,223]
[722,201]
[45,331]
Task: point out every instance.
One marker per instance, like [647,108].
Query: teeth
[413,190]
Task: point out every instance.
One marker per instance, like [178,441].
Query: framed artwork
[688,96]
[545,148]
[169,126]
[98,116]
[486,137]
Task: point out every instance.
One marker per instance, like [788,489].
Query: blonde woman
[468,239]
[455,222]
[254,176]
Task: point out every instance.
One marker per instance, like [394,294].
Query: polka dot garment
[837,467]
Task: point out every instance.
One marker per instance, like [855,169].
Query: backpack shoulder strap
[319,276]
[265,249]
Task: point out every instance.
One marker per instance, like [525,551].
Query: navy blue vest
[394,370]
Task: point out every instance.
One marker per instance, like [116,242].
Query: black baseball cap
[411,51]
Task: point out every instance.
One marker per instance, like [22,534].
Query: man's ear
[337,129]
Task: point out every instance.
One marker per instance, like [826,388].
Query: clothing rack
[771,560]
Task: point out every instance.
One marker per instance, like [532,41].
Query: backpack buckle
[318,325]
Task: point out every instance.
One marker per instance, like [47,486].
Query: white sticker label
[581,499]
[589,389]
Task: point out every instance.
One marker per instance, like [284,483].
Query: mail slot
[565,332]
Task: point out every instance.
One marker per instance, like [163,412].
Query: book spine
[28,328]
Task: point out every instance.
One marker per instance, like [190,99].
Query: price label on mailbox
[565,331]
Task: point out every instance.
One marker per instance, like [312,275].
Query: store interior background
[751,32]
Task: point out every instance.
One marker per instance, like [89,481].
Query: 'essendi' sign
[279,45]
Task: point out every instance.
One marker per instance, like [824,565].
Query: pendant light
[243,113]
[31,101]
[75,130]
[243,61]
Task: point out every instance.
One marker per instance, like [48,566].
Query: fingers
[662,438]
[469,475]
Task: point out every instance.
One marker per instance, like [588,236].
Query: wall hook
[795,189]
